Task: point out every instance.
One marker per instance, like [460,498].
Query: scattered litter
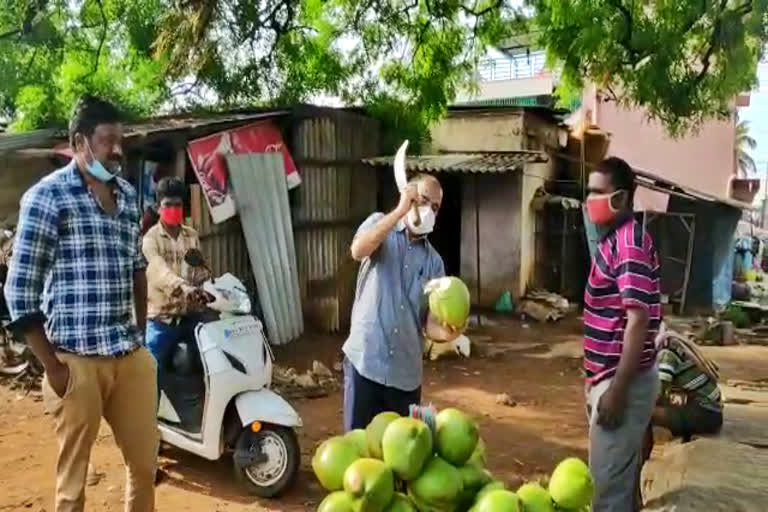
[314,383]
[760,385]
[499,348]
[544,306]
[504,303]
[320,370]
[566,349]
[19,368]
[716,333]
[478,320]
[305,380]
[505,399]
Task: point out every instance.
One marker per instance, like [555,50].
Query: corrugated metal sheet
[261,193]
[178,123]
[222,244]
[466,162]
[338,192]
[15,141]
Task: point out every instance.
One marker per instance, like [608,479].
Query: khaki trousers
[124,392]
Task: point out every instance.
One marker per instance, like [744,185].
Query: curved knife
[401,179]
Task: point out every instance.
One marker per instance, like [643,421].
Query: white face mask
[427,224]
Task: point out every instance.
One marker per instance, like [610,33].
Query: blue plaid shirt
[73,265]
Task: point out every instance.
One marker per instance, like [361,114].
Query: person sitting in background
[174,291]
[161,166]
[690,402]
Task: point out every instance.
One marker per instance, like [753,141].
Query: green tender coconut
[360,439]
[571,485]
[401,503]
[498,501]
[449,301]
[331,460]
[371,483]
[535,498]
[456,436]
[406,446]
[438,486]
[478,455]
[496,485]
[338,501]
[375,431]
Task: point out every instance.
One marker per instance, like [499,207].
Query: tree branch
[31,61]
[706,59]
[744,9]
[629,21]
[482,12]
[102,39]
[420,38]
[10,33]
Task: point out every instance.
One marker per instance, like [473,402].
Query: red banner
[209,163]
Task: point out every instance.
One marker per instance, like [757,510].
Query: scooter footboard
[266,406]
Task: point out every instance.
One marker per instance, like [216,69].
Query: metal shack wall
[222,244]
[712,247]
[337,193]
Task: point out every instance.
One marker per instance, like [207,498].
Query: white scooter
[215,396]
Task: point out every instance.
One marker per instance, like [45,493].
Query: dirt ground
[545,424]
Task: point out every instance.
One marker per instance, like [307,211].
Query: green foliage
[683,61]
[737,316]
[403,60]
[744,143]
[51,52]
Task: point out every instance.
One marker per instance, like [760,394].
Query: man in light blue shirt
[383,364]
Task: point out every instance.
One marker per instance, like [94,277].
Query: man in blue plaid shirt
[77,293]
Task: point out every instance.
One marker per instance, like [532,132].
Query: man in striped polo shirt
[690,402]
[622,313]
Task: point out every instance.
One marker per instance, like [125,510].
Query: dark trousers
[162,339]
[690,419]
[364,399]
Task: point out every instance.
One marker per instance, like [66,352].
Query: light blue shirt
[385,341]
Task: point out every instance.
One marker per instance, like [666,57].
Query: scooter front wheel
[266,462]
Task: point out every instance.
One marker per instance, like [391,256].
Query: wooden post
[180,167]
[196,206]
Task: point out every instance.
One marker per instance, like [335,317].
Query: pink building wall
[703,161]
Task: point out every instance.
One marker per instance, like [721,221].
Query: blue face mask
[96,169]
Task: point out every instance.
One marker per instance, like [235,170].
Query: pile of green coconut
[399,464]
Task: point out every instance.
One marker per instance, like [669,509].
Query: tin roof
[188,122]
[14,141]
[466,162]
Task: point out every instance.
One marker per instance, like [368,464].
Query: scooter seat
[186,360]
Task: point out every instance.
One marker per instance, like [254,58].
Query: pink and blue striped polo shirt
[625,274]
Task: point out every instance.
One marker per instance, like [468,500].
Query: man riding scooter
[174,294]
[214,362]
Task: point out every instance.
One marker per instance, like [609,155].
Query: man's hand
[58,377]
[194,258]
[610,409]
[198,298]
[439,333]
[408,197]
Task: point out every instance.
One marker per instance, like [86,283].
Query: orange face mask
[171,215]
[600,208]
